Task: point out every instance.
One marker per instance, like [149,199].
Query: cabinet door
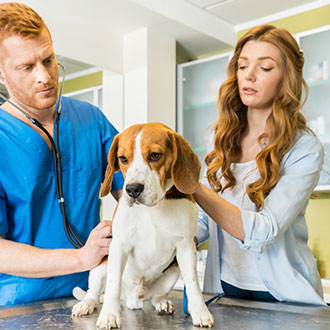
[93,95]
[198,88]
[316,48]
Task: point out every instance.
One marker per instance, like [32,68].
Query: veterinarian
[37,260]
[263,165]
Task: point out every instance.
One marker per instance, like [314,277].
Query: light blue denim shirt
[277,235]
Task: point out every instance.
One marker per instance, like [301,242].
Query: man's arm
[29,261]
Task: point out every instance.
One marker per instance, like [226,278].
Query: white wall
[113,97]
[76,37]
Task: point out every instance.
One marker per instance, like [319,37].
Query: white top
[276,236]
[239,267]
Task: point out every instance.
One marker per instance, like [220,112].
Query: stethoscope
[72,236]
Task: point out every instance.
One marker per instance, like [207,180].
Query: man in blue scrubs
[37,261]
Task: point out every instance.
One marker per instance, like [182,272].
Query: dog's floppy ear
[186,166]
[112,167]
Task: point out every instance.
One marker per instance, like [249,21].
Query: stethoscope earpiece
[62,86]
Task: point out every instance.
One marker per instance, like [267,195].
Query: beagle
[155,222]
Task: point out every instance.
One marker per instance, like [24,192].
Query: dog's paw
[108,320]
[84,307]
[134,303]
[202,318]
[165,306]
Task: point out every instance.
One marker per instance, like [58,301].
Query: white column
[135,65]
[146,91]
[113,98]
[149,78]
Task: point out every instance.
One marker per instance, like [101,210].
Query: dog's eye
[154,156]
[123,159]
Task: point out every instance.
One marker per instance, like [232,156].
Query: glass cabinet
[199,82]
[198,87]
[316,47]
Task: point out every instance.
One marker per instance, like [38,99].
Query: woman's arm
[287,201]
[225,214]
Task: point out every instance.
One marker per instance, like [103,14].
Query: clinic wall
[318,221]
[84,40]
[301,22]
[83,82]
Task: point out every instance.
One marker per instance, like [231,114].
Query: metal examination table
[229,313]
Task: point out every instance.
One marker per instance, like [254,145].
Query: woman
[264,165]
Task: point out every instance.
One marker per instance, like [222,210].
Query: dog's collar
[174,193]
[171,190]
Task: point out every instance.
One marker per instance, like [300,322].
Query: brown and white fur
[155,222]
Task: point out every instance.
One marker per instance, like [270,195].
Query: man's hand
[97,245]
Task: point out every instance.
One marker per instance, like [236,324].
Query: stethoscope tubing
[69,231]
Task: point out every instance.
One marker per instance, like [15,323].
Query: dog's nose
[134,190]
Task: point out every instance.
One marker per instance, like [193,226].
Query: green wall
[90,80]
[318,221]
[302,22]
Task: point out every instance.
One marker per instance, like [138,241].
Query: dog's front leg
[110,313]
[96,284]
[186,256]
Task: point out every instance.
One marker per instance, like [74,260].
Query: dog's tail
[79,293]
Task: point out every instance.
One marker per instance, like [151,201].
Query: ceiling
[200,27]
[238,12]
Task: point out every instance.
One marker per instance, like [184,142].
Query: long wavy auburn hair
[282,124]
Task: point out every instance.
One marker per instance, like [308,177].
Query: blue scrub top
[29,211]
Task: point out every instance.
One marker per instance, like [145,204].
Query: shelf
[318,83]
[325,138]
[200,105]
[322,189]
[200,149]
[326,289]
